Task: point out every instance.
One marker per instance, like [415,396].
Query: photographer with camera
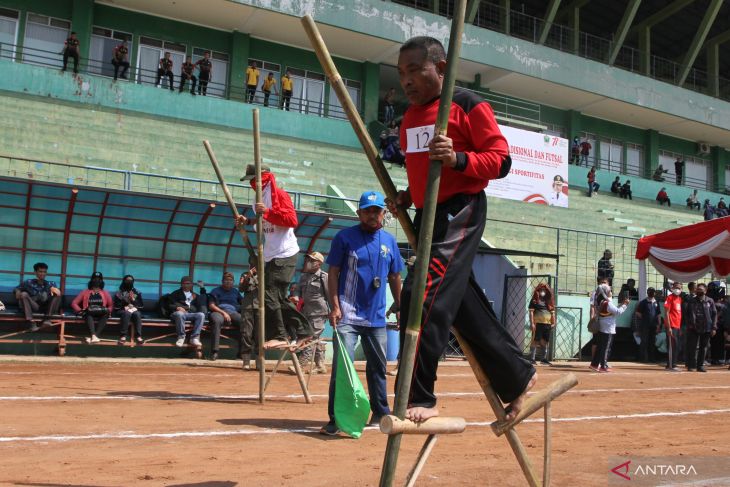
[94,305]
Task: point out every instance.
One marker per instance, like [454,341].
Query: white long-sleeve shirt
[607,324]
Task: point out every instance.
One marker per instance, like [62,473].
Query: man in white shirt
[557,197]
[280,254]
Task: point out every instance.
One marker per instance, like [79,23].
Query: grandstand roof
[158,239]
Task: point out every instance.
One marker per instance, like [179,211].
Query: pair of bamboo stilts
[433,426]
[260,360]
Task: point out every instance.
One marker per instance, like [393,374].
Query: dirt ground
[75,422]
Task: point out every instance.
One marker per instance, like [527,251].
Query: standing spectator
[248,285]
[679,169]
[224,304]
[205,67]
[280,254]
[701,325]
[362,259]
[585,151]
[557,197]
[287,89]
[709,212]
[252,80]
[267,85]
[692,202]
[575,151]
[717,350]
[165,69]
[313,292]
[607,313]
[605,267]
[662,197]
[673,305]
[721,208]
[659,173]
[616,186]
[71,49]
[127,305]
[184,305]
[542,321]
[187,73]
[626,190]
[95,305]
[592,298]
[592,184]
[389,104]
[474,153]
[38,295]
[649,315]
[120,58]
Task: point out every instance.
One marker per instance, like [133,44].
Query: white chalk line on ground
[216,397]
[124,435]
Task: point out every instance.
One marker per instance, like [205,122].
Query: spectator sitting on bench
[35,295]
[127,305]
[693,202]
[709,211]
[721,208]
[662,197]
[185,305]
[626,190]
[94,305]
[224,303]
[616,186]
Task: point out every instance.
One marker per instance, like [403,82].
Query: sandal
[122,341]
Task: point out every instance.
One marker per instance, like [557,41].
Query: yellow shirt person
[269,82]
[252,75]
[286,83]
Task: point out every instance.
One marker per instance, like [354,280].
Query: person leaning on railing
[71,49]
[120,58]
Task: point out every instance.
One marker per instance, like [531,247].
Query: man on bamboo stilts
[473,152]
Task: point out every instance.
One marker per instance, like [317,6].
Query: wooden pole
[358,125]
[547,445]
[439,425]
[423,253]
[421,460]
[229,198]
[260,358]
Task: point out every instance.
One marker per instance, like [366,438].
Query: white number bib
[419,137]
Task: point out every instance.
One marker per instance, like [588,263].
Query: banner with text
[539,171]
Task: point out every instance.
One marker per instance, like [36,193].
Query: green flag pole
[423,253]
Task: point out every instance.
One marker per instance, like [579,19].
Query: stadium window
[148,60]
[266,67]
[308,95]
[8,33]
[635,159]
[335,108]
[592,139]
[103,41]
[44,38]
[697,171]
[554,130]
[611,153]
[219,81]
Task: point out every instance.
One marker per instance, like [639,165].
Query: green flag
[352,406]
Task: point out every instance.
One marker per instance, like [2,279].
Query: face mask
[95,283]
[128,283]
[676,292]
[541,294]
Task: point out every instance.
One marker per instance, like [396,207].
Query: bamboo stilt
[261,357]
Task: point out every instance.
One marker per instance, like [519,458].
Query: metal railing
[124,180]
[490,16]
[95,67]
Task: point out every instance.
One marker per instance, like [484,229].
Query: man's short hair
[227,275]
[40,265]
[432,48]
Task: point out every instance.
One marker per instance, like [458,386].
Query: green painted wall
[95,90]
[61,9]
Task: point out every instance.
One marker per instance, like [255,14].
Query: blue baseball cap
[371,198]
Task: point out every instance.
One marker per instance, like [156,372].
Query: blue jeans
[373,341]
[179,318]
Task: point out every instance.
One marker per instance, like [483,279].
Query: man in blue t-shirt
[361,260]
[224,303]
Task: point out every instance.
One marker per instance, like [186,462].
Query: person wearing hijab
[128,304]
[542,321]
[94,305]
[607,313]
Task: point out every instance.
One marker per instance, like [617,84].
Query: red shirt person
[473,153]
[673,305]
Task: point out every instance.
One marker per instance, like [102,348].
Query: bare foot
[419,414]
[280,344]
[516,406]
